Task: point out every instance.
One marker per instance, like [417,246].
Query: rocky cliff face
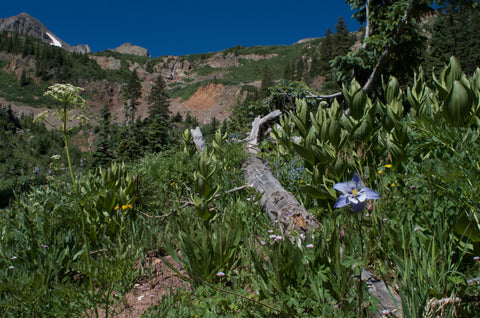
[82,48]
[28,25]
[128,48]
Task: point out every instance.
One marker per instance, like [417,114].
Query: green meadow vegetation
[77,229]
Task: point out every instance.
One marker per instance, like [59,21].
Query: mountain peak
[24,23]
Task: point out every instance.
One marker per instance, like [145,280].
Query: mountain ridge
[26,24]
[203,85]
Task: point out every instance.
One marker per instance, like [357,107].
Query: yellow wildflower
[116,207]
[388,166]
[173,182]
[380,171]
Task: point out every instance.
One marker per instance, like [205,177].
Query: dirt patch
[148,290]
[212,100]
[205,96]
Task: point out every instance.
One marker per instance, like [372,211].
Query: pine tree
[24,79]
[131,94]
[224,127]
[288,74]
[129,147]
[267,82]
[300,70]
[156,125]
[452,36]
[190,121]
[342,39]
[159,101]
[103,154]
[326,51]
[157,135]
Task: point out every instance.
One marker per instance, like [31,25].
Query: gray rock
[128,48]
[82,48]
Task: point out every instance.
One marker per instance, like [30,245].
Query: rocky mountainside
[28,25]
[202,85]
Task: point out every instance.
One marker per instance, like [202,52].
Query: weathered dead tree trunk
[286,212]
[198,139]
[281,206]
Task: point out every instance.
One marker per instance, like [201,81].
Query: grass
[31,94]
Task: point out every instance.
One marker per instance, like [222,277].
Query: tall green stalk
[68,95]
[67,151]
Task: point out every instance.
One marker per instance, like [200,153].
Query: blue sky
[184,27]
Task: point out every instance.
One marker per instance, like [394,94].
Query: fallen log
[281,206]
[286,213]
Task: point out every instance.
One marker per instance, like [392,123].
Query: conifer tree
[190,121]
[129,143]
[454,35]
[394,38]
[300,70]
[103,153]
[24,79]
[156,128]
[326,51]
[159,101]
[224,127]
[288,74]
[342,40]
[132,92]
[267,82]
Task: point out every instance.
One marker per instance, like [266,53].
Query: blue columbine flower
[354,192]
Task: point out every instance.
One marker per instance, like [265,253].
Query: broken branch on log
[259,126]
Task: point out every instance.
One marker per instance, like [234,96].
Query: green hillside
[369,166]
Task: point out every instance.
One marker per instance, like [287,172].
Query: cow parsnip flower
[354,193]
[66,93]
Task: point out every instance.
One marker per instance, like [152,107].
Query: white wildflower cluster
[70,110]
[66,93]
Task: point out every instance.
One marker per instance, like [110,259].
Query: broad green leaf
[305,153]
[358,104]
[467,226]
[458,104]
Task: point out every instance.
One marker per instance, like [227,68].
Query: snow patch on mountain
[55,42]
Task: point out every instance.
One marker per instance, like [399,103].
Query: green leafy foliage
[423,163]
[44,244]
[68,246]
